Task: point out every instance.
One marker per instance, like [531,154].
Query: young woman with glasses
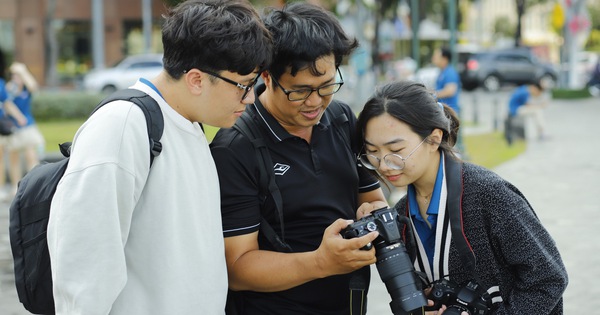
[470,225]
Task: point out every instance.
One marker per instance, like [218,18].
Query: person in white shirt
[125,238]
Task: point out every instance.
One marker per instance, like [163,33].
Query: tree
[522,6]
[51,44]
[503,27]
[593,42]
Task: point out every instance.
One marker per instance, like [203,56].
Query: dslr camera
[393,262]
[470,298]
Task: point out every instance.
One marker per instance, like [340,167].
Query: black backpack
[30,210]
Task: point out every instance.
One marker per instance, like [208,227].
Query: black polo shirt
[319,183]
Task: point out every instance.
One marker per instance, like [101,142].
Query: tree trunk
[520,11]
[51,44]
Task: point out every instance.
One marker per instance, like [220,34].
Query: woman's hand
[366,208]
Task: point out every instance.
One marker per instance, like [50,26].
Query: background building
[29,29]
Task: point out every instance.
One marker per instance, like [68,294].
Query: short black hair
[215,35]
[446,53]
[303,33]
[537,84]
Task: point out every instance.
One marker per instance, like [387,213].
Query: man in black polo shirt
[315,169]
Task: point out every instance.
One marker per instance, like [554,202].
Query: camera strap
[454,206]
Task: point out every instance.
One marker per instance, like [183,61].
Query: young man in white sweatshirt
[125,238]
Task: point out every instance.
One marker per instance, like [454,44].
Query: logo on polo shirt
[280,169]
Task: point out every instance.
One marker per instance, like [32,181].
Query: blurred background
[79,51]
[62,41]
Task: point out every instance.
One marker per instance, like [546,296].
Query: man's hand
[337,255]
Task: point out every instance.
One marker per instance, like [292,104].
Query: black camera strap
[455,192]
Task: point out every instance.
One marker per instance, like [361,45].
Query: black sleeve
[237,167]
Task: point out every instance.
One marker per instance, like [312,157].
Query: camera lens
[396,271]
[456,310]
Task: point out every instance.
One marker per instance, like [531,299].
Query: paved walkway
[560,177]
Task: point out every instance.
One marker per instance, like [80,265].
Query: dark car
[492,69]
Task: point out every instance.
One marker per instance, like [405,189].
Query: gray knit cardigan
[512,248]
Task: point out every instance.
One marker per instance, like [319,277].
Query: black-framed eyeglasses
[302,94]
[245,88]
[392,160]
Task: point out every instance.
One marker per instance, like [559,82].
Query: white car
[124,74]
[427,75]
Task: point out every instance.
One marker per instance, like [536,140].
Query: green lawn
[57,132]
[488,150]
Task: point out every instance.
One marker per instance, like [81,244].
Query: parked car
[492,69]
[124,74]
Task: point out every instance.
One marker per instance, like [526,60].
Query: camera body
[381,220]
[393,262]
[470,298]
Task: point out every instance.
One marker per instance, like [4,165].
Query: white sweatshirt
[125,241]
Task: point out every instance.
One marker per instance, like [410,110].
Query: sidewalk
[560,177]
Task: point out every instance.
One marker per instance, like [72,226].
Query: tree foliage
[593,42]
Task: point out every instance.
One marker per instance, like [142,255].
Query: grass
[56,132]
[488,150]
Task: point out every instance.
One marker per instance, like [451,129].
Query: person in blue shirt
[7,108]
[526,100]
[26,140]
[447,85]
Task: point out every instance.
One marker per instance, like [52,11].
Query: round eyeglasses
[302,94]
[392,160]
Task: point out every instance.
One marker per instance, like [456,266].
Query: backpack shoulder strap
[247,126]
[154,118]
[342,123]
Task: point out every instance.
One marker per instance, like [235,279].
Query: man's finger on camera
[366,240]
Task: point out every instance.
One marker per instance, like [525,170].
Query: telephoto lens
[393,261]
[397,272]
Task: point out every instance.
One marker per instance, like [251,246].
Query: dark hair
[215,35]
[446,53]
[302,33]
[537,84]
[411,103]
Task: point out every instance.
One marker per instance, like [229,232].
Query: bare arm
[12,110]
[28,79]
[265,271]
[448,90]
